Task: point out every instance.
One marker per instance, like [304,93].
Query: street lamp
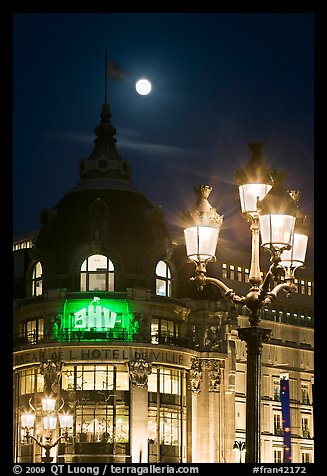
[272,212]
[239,446]
[49,415]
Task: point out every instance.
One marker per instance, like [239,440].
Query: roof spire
[105,159]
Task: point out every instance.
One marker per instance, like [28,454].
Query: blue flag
[286,417]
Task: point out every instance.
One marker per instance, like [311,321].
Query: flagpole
[105,76]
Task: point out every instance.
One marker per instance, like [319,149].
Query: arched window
[163,279]
[97,274]
[37,279]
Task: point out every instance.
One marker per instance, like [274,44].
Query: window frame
[163,280]
[37,279]
[88,274]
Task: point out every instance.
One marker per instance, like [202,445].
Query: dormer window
[37,279]
[163,279]
[97,274]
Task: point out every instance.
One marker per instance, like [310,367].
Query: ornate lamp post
[49,414]
[272,212]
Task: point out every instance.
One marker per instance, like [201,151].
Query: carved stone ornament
[213,367]
[50,371]
[139,371]
[195,376]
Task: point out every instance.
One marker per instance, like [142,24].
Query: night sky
[219,81]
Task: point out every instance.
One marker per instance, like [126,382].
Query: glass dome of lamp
[48,404]
[294,258]
[277,213]
[254,181]
[203,224]
[27,420]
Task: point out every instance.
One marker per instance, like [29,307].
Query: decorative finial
[255,170]
[202,212]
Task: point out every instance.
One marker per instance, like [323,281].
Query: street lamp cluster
[275,215]
[50,415]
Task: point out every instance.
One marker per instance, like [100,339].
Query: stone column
[139,372]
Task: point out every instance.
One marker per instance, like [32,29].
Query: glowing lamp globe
[49,422]
[202,230]
[48,404]
[295,257]
[254,181]
[65,420]
[277,213]
[27,420]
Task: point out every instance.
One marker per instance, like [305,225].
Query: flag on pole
[115,71]
[286,417]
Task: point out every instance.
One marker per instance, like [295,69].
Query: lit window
[305,394]
[34,331]
[231,271]
[154,331]
[246,275]
[163,279]
[224,270]
[97,274]
[31,332]
[302,287]
[277,425]
[277,390]
[309,284]
[167,412]
[239,273]
[306,458]
[104,419]
[164,331]
[170,381]
[296,282]
[305,427]
[277,456]
[37,279]
[27,381]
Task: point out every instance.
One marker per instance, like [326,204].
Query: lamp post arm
[57,441]
[201,279]
[264,287]
[28,436]
[227,292]
[46,446]
[288,287]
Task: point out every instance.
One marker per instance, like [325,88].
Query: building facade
[151,369]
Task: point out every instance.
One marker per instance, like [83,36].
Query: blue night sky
[219,81]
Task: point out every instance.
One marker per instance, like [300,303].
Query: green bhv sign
[98,315]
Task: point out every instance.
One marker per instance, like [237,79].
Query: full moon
[143,87]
